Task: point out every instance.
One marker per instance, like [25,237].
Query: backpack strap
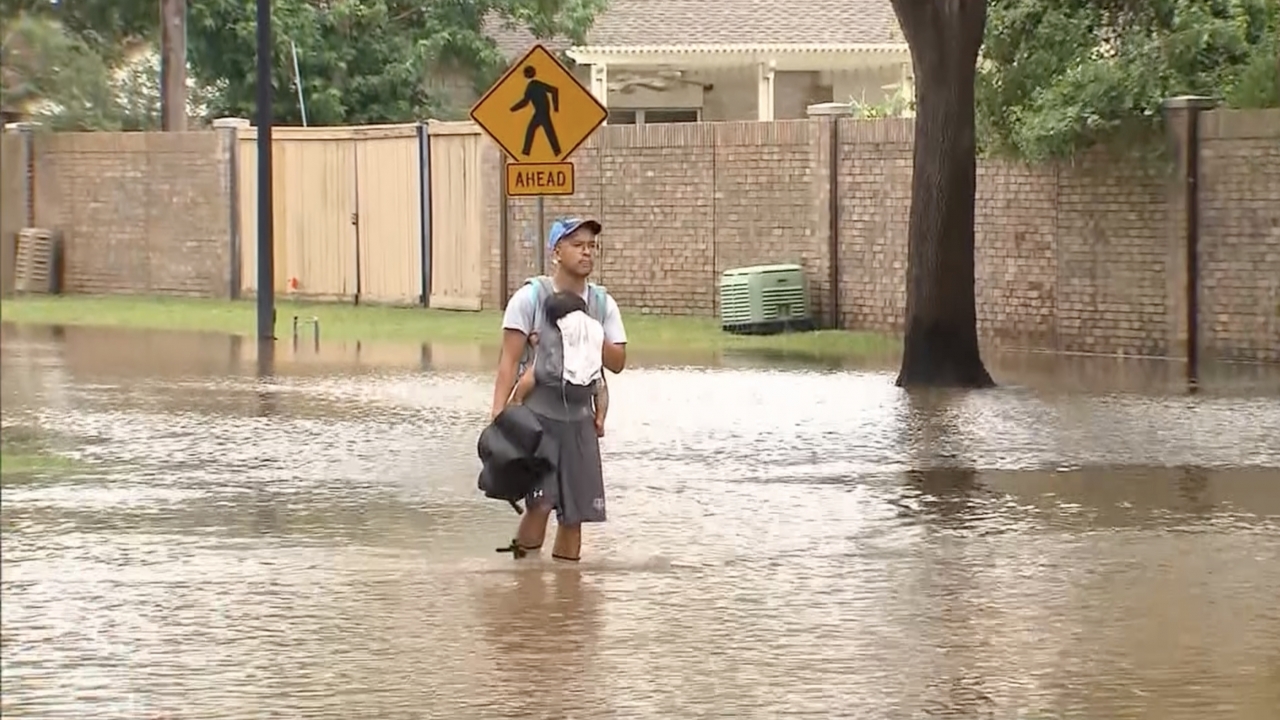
[597,302]
[597,298]
[542,287]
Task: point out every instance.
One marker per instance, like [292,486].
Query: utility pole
[266,223]
[173,65]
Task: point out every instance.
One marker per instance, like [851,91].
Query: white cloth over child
[583,338]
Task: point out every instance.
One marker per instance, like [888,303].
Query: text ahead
[534,179]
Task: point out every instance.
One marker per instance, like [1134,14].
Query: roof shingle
[740,22]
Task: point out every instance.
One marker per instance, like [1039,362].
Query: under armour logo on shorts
[598,503]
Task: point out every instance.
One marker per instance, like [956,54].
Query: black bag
[514,455]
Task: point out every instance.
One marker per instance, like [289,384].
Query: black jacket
[516,456]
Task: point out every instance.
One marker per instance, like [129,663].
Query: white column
[764,90]
[908,88]
[600,83]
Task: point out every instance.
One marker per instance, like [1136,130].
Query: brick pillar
[1182,116]
[19,209]
[827,175]
[228,130]
[29,160]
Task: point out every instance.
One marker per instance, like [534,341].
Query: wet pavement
[1082,542]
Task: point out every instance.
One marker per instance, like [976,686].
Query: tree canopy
[361,61]
[366,61]
[106,27]
[1057,76]
[59,76]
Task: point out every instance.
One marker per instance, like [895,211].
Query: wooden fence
[384,214]
[455,156]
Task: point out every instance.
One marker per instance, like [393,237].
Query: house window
[622,117]
[654,116]
[670,115]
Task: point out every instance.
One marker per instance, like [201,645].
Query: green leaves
[367,61]
[360,61]
[1059,76]
[106,27]
[59,77]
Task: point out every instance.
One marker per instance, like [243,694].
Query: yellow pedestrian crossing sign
[538,111]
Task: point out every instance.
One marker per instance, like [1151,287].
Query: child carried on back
[583,339]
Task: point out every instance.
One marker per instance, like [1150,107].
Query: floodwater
[1083,542]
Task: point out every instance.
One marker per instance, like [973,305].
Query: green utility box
[765,300]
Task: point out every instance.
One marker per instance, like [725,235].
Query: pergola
[766,59]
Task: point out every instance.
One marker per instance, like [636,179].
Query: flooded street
[1079,543]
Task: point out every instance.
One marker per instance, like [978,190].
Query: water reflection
[946,493]
[304,538]
[1193,486]
[535,615]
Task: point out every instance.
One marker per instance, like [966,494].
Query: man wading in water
[565,411]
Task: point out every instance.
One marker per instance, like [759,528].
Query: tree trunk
[173,65]
[941,344]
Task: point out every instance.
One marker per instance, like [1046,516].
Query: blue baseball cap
[564,226]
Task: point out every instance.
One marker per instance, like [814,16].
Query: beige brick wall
[1240,234]
[681,204]
[1087,256]
[1077,257]
[1067,258]
[1016,265]
[1111,239]
[875,196]
[141,212]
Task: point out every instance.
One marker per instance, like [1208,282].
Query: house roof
[692,23]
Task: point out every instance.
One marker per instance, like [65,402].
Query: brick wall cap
[1189,102]
[825,109]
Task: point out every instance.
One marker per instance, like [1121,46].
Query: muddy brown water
[784,542]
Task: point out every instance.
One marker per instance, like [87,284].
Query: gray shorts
[576,490]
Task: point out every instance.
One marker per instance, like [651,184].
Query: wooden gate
[389,214]
[457,215]
[347,213]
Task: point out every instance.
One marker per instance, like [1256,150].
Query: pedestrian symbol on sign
[538,112]
[545,100]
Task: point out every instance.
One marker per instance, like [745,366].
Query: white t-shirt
[522,306]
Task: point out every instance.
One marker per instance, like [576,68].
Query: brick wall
[1240,234]
[682,204]
[1087,256]
[1084,256]
[1067,258]
[874,189]
[140,212]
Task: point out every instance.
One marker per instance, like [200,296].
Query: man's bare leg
[533,527]
[568,545]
